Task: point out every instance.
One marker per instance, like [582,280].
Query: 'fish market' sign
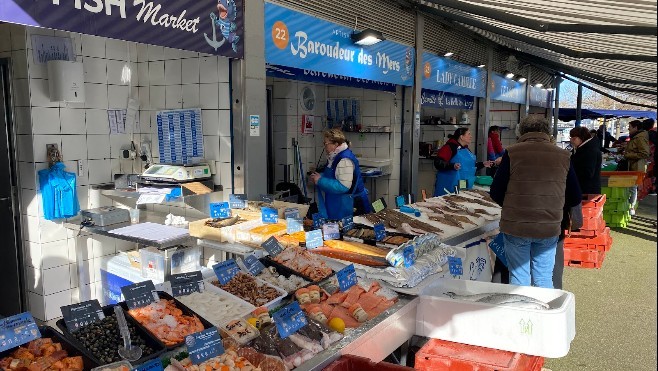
[444,74]
[301,41]
[440,99]
[507,90]
[207,26]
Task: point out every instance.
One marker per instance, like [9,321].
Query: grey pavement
[616,305]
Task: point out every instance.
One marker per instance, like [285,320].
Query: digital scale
[176,173]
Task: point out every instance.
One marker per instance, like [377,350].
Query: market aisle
[616,305]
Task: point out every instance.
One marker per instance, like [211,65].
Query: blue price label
[331,231]
[237,201]
[186,283]
[318,220]
[409,254]
[140,294]
[152,365]
[348,223]
[294,225]
[253,265]
[272,246]
[17,330]
[226,270]
[314,239]
[346,277]
[204,345]
[268,199]
[82,314]
[400,201]
[380,231]
[221,210]
[291,212]
[455,266]
[269,215]
[289,319]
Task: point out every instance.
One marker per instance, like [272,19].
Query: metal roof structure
[606,43]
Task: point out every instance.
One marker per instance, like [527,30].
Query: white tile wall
[161,78]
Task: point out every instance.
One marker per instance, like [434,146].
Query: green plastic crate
[483,180]
[617,205]
[614,194]
[612,217]
[618,225]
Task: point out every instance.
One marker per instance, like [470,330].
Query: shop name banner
[302,41]
[291,73]
[540,97]
[440,99]
[507,90]
[206,26]
[444,74]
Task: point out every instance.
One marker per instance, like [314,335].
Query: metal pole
[579,105]
[556,112]
[485,107]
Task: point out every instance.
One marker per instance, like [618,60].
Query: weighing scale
[164,173]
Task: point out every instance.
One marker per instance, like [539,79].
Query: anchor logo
[214,43]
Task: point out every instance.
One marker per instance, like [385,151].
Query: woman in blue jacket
[340,185]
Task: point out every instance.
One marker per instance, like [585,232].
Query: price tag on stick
[237,201]
[140,294]
[348,223]
[331,231]
[380,231]
[82,314]
[289,319]
[346,277]
[17,330]
[253,265]
[186,283]
[204,345]
[272,246]
[220,210]
[314,239]
[152,365]
[226,270]
[269,215]
[294,225]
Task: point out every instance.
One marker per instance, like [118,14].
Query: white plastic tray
[227,295]
[545,333]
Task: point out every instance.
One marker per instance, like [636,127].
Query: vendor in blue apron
[341,192]
[455,163]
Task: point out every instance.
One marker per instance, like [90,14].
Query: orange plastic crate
[581,238]
[593,201]
[350,362]
[439,355]
[580,255]
[585,264]
[593,224]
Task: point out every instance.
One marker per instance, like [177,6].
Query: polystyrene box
[545,333]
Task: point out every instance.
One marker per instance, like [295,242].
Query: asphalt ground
[616,305]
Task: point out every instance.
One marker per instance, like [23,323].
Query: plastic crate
[616,194]
[616,217]
[619,225]
[594,224]
[602,241]
[349,362]
[617,205]
[483,180]
[445,355]
[594,201]
[583,263]
[638,176]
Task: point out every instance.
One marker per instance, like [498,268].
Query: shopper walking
[495,149]
[341,189]
[455,162]
[636,153]
[533,184]
[586,160]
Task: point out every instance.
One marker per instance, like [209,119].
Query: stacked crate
[587,247]
[617,209]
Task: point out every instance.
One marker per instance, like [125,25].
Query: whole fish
[494,298]
[443,220]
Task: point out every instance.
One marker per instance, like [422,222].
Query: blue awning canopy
[569,114]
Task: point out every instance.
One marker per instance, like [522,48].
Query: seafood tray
[388,242]
[210,286]
[240,309]
[149,340]
[71,349]
[200,229]
[186,311]
[282,269]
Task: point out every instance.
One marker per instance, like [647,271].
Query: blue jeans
[525,254]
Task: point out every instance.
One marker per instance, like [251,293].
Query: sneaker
[632,212]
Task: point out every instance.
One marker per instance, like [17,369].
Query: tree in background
[592,99]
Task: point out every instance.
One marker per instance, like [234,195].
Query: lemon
[254,322]
[337,324]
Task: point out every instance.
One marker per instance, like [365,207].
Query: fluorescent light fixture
[521,79]
[449,54]
[509,74]
[539,85]
[481,66]
[367,37]
[550,89]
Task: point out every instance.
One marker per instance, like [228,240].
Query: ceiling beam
[532,41]
[545,26]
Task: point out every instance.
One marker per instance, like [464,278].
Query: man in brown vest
[534,183]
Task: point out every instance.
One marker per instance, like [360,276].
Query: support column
[526,108]
[249,99]
[411,130]
[556,111]
[484,119]
[579,105]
